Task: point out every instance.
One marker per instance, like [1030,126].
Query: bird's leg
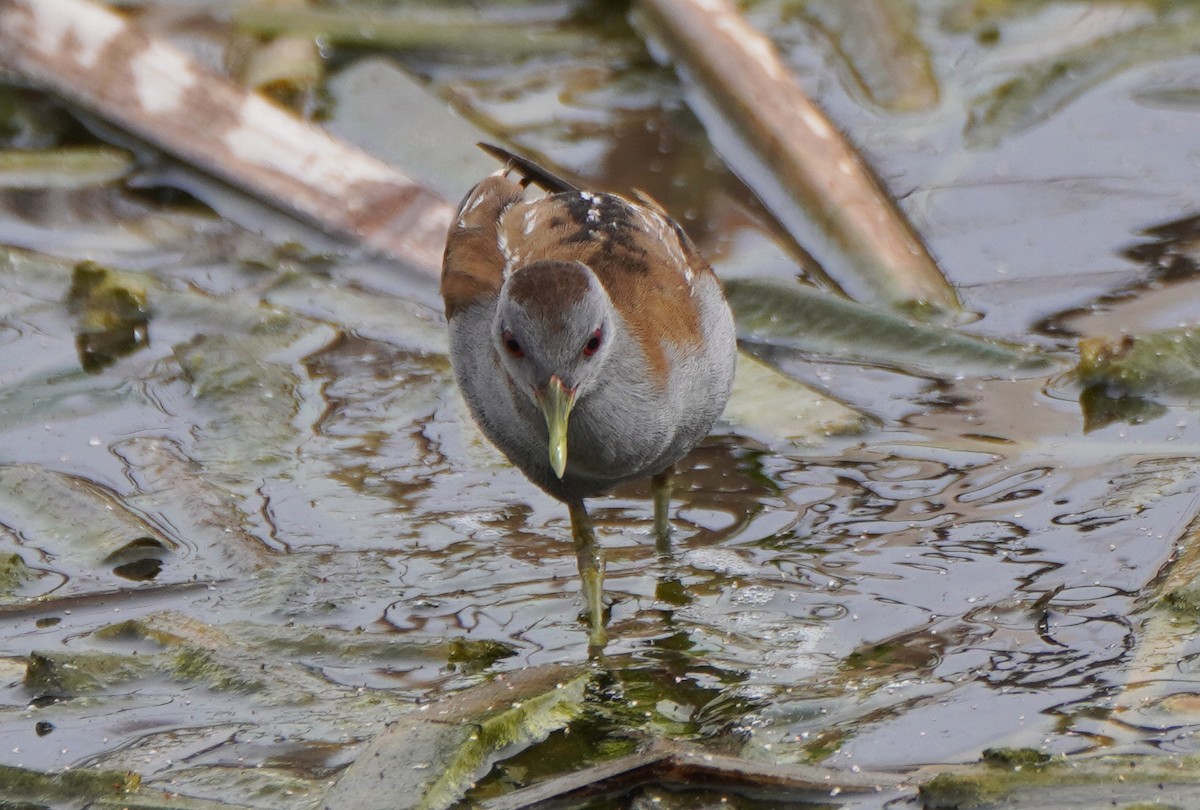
[670,589]
[591,570]
[660,485]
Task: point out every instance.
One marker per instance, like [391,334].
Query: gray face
[553,318]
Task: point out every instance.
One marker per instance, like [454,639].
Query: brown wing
[643,259]
[473,265]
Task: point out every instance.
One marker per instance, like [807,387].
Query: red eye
[511,344]
[592,345]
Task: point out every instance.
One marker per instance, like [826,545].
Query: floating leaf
[431,28]
[1165,364]
[287,69]
[525,722]
[64,167]
[802,318]
[371,94]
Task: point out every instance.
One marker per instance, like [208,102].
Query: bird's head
[554,332]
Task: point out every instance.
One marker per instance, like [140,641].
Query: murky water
[284,483]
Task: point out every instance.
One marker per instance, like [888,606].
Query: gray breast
[625,428]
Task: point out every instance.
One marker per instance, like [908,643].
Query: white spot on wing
[475,202]
[161,75]
[664,234]
[470,205]
[531,220]
[511,257]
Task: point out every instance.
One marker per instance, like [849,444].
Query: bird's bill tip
[556,401]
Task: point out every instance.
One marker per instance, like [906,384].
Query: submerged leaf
[80,673]
[252,400]
[805,319]
[878,43]
[466,654]
[1042,89]
[1116,781]
[176,490]
[75,522]
[767,401]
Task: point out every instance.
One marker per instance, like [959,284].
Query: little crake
[591,341]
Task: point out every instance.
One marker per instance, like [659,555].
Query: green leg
[591,570]
[660,485]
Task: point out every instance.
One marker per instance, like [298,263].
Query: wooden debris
[680,765]
[792,155]
[105,63]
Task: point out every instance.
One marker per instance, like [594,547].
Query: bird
[591,341]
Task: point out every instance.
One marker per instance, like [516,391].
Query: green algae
[76,784]
[203,666]
[524,723]
[112,315]
[1182,602]
[429,757]
[1007,782]
[1015,757]
[13,573]
[82,673]
[1164,363]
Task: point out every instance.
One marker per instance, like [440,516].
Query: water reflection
[818,602]
[966,575]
